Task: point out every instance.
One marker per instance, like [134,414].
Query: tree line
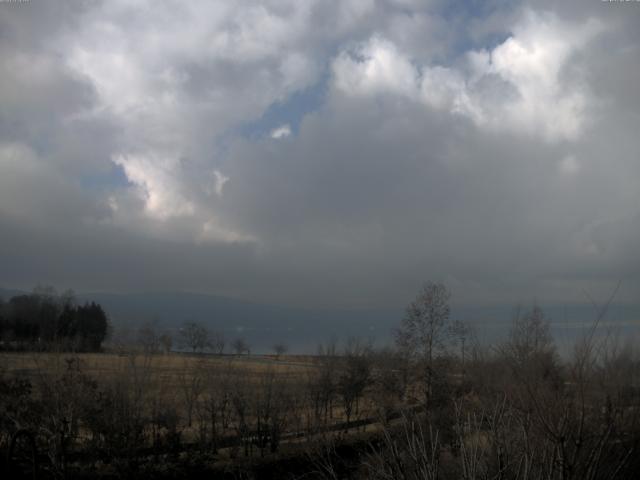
[441,406]
[192,337]
[44,319]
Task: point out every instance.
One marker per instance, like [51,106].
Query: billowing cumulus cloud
[322,152]
[522,84]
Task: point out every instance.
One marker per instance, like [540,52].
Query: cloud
[35,193]
[519,85]
[375,67]
[493,148]
[219,182]
[282,131]
[153,176]
[177,80]
[569,165]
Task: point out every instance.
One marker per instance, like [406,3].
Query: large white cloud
[524,84]
[176,78]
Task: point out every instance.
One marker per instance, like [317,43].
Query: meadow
[113,412]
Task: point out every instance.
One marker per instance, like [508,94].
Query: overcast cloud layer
[322,152]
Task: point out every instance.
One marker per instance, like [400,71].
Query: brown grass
[167,367]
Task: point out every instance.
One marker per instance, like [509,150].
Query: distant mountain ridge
[261,325]
[302,329]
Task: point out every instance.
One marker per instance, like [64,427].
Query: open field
[229,405]
[359,414]
[182,383]
[167,368]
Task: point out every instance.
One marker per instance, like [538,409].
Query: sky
[322,152]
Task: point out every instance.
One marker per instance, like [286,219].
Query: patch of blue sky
[115,177]
[290,111]
[470,9]
[462,14]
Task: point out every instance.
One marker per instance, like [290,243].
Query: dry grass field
[134,414]
[166,368]
[190,385]
[176,381]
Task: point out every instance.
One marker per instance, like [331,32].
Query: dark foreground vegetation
[436,406]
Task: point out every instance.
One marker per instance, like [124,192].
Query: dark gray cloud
[492,148]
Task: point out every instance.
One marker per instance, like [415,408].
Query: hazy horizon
[303,329]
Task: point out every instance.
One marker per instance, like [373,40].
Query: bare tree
[424,330]
[460,333]
[194,336]
[412,453]
[216,408]
[280,349]
[191,380]
[322,384]
[147,337]
[240,420]
[217,342]
[390,380]
[166,341]
[270,408]
[530,335]
[354,377]
[240,346]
